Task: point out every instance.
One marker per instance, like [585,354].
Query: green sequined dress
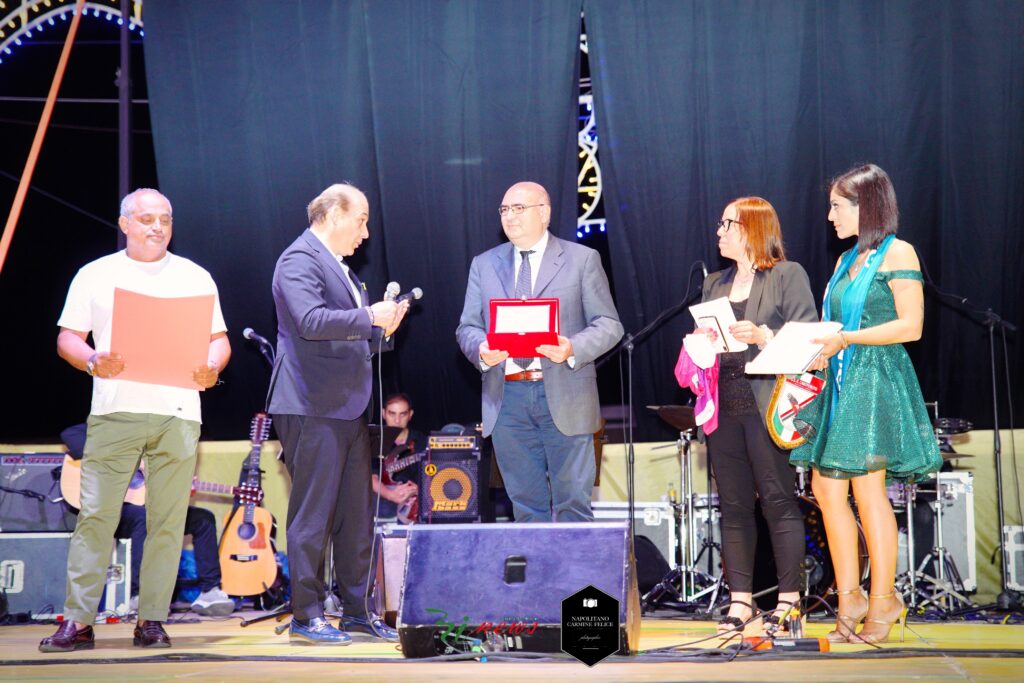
[880,420]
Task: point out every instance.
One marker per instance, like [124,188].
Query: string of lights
[28,18]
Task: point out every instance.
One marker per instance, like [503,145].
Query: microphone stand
[1007,599]
[267,352]
[628,344]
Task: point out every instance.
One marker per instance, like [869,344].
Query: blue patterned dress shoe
[317,631]
[369,623]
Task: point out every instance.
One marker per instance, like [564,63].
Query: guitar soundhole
[246,530]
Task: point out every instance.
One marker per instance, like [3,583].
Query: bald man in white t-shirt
[131,421]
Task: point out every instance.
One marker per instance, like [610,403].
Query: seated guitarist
[398,413]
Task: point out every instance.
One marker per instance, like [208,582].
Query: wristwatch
[90,365]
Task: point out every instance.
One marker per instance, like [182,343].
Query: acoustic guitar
[71,485]
[247,561]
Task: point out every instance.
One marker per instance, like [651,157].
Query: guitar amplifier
[452,480]
[33,574]
[31,499]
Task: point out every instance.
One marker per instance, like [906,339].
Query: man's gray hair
[128,203]
[339,194]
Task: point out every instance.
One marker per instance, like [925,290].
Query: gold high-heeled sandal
[883,637]
[849,622]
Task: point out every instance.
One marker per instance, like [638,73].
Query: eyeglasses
[515,209]
[149,219]
[724,225]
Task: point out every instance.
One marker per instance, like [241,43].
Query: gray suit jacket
[323,336]
[777,296]
[572,274]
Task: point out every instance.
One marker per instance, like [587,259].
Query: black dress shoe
[371,624]
[68,638]
[151,634]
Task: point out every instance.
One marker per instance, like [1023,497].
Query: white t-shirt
[89,308]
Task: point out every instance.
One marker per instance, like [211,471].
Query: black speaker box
[30,497]
[33,574]
[463,581]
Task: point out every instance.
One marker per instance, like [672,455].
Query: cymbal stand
[687,576]
[906,583]
[945,589]
[714,585]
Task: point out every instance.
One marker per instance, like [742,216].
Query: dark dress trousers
[319,393]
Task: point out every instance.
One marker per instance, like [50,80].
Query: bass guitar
[247,559]
[395,462]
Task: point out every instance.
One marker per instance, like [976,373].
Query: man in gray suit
[541,412]
[319,391]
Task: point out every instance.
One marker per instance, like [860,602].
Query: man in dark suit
[542,412]
[319,393]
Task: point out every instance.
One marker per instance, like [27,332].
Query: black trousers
[748,466]
[329,464]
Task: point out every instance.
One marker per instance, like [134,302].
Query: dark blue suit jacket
[324,336]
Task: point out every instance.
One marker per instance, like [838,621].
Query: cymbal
[953,455]
[952,425]
[677,417]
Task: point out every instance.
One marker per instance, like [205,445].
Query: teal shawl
[852,307]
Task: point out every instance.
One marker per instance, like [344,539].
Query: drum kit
[696,584]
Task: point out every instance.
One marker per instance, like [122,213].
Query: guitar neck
[402,463]
[211,487]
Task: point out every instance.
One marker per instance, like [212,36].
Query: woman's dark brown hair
[870,188]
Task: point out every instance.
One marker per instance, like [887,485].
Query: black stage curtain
[701,102]
[433,109]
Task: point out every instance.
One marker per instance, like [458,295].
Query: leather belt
[525,376]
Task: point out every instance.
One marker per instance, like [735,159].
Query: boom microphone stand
[1007,599]
[628,344]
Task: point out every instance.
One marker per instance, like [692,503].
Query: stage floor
[220,650]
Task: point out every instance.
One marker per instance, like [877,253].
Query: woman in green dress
[870,423]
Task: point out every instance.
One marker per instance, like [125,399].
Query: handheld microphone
[250,333]
[392,291]
[412,295]
[703,269]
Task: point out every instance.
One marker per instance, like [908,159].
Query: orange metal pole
[37,142]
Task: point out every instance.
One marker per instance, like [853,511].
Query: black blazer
[778,295]
[324,336]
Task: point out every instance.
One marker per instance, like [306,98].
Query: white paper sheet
[717,314]
[791,350]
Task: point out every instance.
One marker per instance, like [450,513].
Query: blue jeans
[549,475]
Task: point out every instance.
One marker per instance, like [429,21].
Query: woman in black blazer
[766,291]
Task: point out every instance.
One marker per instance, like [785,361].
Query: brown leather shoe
[68,638]
[151,634]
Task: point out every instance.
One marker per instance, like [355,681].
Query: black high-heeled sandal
[777,620]
[730,626]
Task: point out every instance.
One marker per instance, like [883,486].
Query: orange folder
[163,341]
